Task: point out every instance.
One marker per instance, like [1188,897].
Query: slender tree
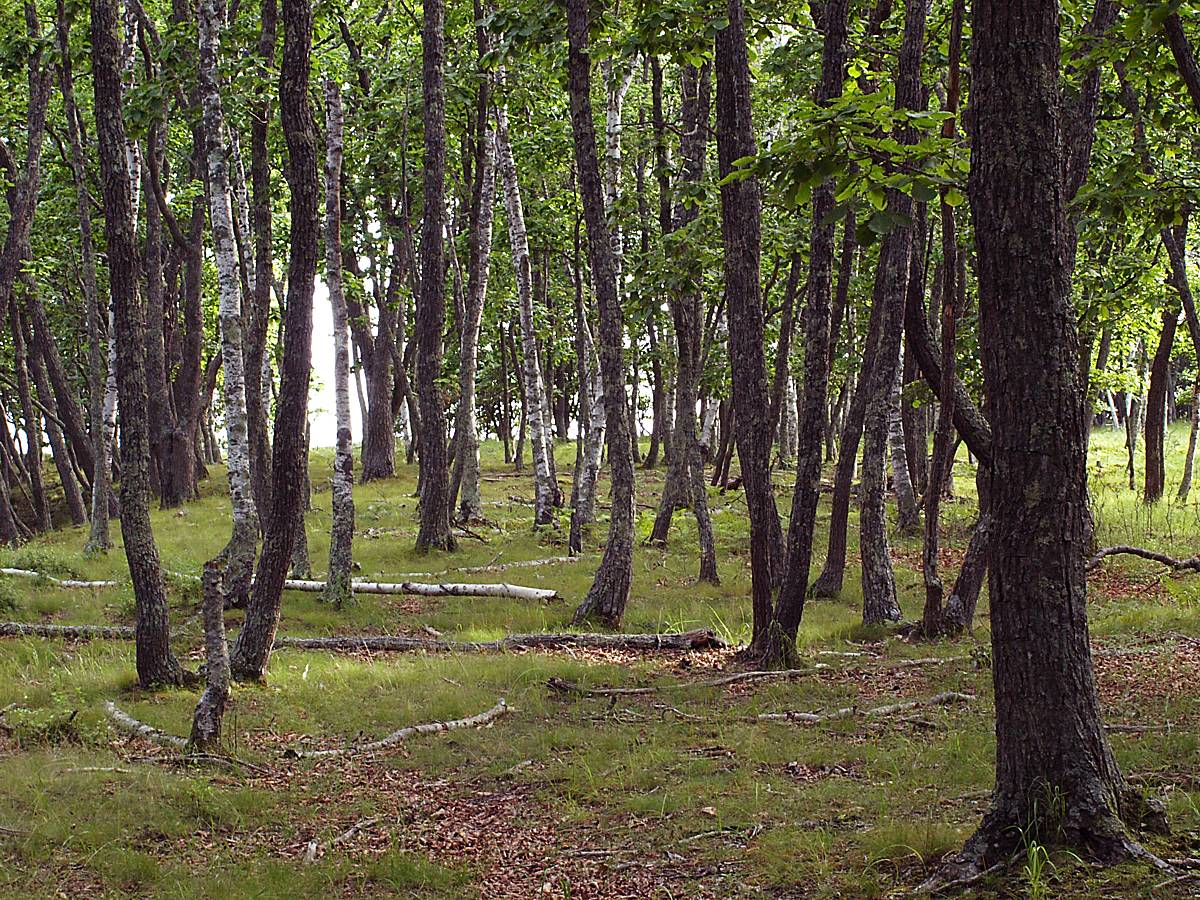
[341,539]
[289,462]
[431,306]
[156,664]
[609,592]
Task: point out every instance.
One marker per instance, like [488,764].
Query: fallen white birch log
[68,632]
[421,589]
[403,734]
[848,712]
[520,564]
[58,582]
[128,723]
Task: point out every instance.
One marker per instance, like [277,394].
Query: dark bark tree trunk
[1156,407]
[741,227]
[609,592]
[30,419]
[685,483]
[780,645]
[76,511]
[1056,776]
[252,651]
[434,532]
[156,664]
[891,284]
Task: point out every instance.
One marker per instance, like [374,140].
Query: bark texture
[609,592]
[156,664]
[741,227]
[252,651]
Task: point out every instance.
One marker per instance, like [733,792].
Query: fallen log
[847,712]
[403,734]
[1191,565]
[129,724]
[315,848]
[421,589]
[415,588]
[687,640]
[58,582]
[397,643]
[521,564]
[68,632]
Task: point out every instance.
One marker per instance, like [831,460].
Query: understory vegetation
[681,792]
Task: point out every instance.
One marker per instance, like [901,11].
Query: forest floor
[676,793]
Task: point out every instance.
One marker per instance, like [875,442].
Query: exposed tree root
[944,699]
[396,737]
[562,686]
[1189,565]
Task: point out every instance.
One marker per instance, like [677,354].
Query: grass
[680,794]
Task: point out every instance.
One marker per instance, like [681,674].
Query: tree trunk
[238,555]
[685,483]
[1156,407]
[534,389]
[1185,482]
[434,532]
[1055,773]
[902,481]
[483,201]
[30,419]
[609,592]
[891,284]
[780,646]
[341,538]
[76,510]
[252,651]
[156,664]
[741,227]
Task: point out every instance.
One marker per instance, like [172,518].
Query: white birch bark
[470,505]
[544,489]
[341,540]
[239,553]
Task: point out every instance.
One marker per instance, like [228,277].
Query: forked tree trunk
[534,389]
[780,646]
[741,228]
[156,664]
[252,651]
[341,537]
[1056,776]
[609,592]
[434,533]
[238,555]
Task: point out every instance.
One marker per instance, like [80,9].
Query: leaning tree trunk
[741,228]
[891,283]
[58,444]
[238,555]
[341,537]
[534,389]
[610,590]
[252,652]
[156,664]
[1056,776]
[434,533]
[1185,481]
[30,420]
[780,646]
